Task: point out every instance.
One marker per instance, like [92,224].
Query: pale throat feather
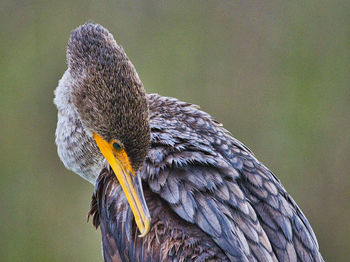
[75,145]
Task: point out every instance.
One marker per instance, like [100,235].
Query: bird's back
[208,196]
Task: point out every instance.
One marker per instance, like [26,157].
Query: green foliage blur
[277,75]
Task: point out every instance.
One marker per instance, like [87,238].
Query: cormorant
[171,184]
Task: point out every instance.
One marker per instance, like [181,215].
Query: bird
[170,182]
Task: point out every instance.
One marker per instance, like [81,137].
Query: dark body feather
[209,198]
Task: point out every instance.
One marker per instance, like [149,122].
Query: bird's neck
[75,146]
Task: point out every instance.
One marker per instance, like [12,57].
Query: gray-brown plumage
[209,198]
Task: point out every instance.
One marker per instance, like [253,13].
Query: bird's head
[112,105]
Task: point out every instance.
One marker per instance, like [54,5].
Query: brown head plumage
[107,91]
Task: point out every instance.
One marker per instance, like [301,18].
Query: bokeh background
[277,76]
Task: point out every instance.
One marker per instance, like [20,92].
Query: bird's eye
[117,146]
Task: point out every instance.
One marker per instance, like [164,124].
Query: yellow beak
[130,183]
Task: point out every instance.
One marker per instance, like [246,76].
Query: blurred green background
[277,75]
